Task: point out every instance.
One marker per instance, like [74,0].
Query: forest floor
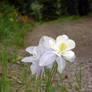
[80,31]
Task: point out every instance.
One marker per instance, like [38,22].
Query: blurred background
[44,10]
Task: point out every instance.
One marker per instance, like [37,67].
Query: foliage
[36,7]
[51,9]
[13,26]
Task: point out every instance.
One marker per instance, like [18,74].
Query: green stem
[38,84]
[50,77]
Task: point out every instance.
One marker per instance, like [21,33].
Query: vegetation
[13,26]
[52,9]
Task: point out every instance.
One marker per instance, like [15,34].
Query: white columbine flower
[36,52]
[59,50]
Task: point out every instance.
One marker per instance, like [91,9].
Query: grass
[67,18]
[4,82]
[12,32]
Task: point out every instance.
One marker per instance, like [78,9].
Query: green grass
[13,27]
[67,18]
[12,32]
[4,82]
[63,19]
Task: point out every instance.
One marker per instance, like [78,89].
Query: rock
[90,86]
[90,82]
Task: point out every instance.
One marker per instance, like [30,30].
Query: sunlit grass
[4,82]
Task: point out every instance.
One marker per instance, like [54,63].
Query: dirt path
[79,30]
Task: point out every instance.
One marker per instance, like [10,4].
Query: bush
[49,9]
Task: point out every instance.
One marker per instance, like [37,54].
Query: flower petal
[29,59]
[65,40]
[45,41]
[69,55]
[30,49]
[62,37]
[34,68]
[71,44]
[52,44]
[61,64]
[47,58]
[40,50]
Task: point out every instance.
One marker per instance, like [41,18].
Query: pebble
[90,86]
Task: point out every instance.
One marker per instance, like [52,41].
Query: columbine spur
[59,50]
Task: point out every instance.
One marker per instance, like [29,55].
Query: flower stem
[50,77]
[38,84]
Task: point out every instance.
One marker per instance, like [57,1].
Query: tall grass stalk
[78,79]
[4,82]
[25,80]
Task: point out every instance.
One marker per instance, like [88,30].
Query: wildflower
[59,50]
[36,52]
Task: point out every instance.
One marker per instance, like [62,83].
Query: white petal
[69,55]
[29,59]
[61,64]
[40,50]
[47,58]
[71,44]
[61,37]
[52,44]
[34,68]
[45,41]
[64,39]
[30,49]
[42,40]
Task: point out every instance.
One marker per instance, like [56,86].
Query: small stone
[83,90]
[90,86]
[90,82]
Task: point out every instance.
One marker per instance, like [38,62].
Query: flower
[59,50]
[36,52]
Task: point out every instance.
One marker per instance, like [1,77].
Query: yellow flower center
[62,46]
